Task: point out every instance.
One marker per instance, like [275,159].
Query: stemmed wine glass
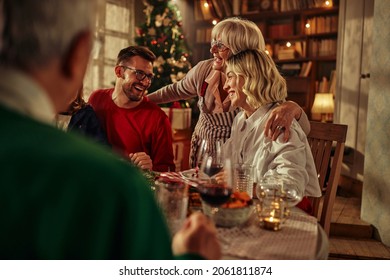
[215,189]
[212,162]
[202,151]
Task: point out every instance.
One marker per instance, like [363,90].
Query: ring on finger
[280,128]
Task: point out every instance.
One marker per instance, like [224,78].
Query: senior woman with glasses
[206,80]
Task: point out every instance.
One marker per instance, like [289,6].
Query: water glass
[172,197]
[243,178]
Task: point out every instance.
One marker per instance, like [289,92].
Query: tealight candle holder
[271,223]
[271,213]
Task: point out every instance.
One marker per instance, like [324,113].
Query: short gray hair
[37,31]
[239,34]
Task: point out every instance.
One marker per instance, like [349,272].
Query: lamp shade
[323,103]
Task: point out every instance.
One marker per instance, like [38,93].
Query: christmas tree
[162,34]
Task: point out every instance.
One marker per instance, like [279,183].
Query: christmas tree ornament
[166,21]
[152,31]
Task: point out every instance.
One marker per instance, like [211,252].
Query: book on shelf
[218,8]
[227,5]
[292,5]
[322,24]
[236,7]
[300,48]
[324,47]
[280,30]
[263,27]
[305,69]
[284,54]
[198,11]
[224,8]
[290,69]
[250,7]
[323,85]
[332,82]
[202,12]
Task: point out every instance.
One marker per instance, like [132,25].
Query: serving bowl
[229,217]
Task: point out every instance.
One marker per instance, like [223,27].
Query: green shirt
[62,197]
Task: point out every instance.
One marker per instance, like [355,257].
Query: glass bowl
[229,217]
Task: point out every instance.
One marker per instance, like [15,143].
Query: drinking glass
[172,197]
[243,178]
[212,162]
[202,151]
[215,190]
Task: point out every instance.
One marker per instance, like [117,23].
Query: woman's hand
[280,120]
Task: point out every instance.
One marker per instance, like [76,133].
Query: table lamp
[324,105]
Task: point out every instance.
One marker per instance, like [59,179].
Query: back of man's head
[34,32]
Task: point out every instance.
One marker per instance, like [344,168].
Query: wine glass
[199,157]
[218,187]
[212,162]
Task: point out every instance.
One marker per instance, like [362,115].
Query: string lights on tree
[162,33]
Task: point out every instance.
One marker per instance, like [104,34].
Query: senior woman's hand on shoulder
[198,235]
[280,120]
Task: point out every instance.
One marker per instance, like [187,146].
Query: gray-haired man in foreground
[62,197]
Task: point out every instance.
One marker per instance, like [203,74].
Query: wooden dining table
[300,237]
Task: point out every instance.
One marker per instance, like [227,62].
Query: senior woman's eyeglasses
[219,45]
[139,74]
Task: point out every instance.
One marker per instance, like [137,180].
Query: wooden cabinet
[301,38]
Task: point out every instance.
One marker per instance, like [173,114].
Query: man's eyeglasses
[219,45]
[139,74]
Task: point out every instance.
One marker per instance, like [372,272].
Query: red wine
[214,195]
[213,169]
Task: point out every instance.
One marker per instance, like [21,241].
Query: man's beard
[131,96]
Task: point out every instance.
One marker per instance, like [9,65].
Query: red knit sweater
[145,128]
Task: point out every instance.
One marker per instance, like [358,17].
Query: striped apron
[211,127]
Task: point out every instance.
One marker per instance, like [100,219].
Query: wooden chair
[324,138]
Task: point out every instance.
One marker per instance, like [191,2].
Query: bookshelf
[301,36]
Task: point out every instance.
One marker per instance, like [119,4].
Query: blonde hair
[238,34]
[263,83]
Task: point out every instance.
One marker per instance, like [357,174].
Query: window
[114,31]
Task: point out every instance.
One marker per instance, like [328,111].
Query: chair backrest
[327,141]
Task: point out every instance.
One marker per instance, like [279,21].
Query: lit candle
[272,223]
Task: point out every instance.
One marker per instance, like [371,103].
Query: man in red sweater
[136,128]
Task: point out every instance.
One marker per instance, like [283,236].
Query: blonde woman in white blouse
[255,85]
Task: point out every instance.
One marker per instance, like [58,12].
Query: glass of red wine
[212,162]
[215,188]
[202,150]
